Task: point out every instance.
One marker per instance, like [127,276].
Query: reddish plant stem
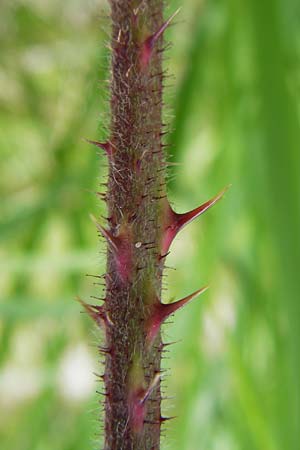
[134,268]
[141,227]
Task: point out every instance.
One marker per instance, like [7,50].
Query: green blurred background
[234,115]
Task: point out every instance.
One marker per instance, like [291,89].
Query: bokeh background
[233,111]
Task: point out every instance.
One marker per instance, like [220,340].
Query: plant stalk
[136,187]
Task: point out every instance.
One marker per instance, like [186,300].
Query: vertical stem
[136,186]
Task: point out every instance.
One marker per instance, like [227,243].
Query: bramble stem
[136,187]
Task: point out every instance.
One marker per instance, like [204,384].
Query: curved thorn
[184,219]
[161,311]
[170,308]
[175,221]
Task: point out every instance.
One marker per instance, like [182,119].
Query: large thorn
[175,222]
[148,44]
[161,311]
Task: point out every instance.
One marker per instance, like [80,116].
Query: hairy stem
[141,227]
[135,188]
